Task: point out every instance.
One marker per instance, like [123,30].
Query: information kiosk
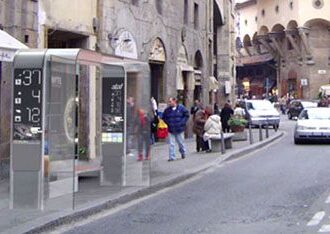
[51,90]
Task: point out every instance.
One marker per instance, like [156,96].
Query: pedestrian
[216,109]
[142,124]
[225,115]
[176,117]
[198,128]
[212,129]
[239,111]
[283,101]
[197,106]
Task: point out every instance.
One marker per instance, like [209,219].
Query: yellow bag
[162,124]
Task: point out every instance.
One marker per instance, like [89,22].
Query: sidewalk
[93,198]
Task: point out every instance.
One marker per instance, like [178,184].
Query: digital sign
[113,96]
[27,103]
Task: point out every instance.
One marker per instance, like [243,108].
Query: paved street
[283,188]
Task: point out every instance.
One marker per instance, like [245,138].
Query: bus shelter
[79,118]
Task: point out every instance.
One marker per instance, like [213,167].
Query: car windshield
[262,105]
[315,113]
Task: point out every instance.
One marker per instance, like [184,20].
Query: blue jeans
[179,140]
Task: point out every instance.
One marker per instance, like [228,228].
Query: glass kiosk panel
[60,133]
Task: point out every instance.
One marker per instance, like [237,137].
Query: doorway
[157,81]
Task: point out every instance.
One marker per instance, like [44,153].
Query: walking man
[176,117]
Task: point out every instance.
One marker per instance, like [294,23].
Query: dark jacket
[176,119]
[199,122]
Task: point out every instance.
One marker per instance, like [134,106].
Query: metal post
[267,133]
[223,149]
[260,132]
[250,134]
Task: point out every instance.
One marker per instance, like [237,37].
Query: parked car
[313,124]
[296,106]
[261,112]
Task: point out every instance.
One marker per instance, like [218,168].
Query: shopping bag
[162,130]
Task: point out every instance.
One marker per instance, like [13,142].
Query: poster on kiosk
[113,125]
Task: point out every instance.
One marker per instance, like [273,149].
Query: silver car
[313,124]
[261,112]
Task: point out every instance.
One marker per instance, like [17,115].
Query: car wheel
[289,115]
[297,141]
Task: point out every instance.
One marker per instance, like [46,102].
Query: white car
[262,112]
[313,124]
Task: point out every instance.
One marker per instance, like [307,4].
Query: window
[196,16]
[246,22]
[318,4]
[291,4]
[159,6]
[26,38]
[277,9]
[263,12]
[185,13]
[256,19]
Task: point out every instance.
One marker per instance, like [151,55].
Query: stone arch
[247,41]
[278,28]
[292,25]
[157,51]
[318,35]
[263,30]
[316,21]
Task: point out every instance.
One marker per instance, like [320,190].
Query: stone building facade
[295,39]
[188,45]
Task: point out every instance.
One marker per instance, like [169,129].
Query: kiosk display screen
[27,103]
[113,95]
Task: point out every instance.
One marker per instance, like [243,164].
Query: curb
[83,213]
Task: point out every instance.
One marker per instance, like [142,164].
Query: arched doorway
[198,75]
[157,60]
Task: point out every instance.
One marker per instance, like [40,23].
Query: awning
[8,46]
[181,67]
[198,77]
[213,83]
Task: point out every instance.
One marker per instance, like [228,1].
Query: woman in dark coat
[225,115]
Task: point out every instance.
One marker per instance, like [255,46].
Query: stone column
[303,32]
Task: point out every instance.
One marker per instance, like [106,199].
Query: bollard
[267,133]
[250,134]
[260,132]
[223,149]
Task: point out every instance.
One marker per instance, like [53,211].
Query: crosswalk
[321,217]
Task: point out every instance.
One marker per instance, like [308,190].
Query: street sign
[304,82]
